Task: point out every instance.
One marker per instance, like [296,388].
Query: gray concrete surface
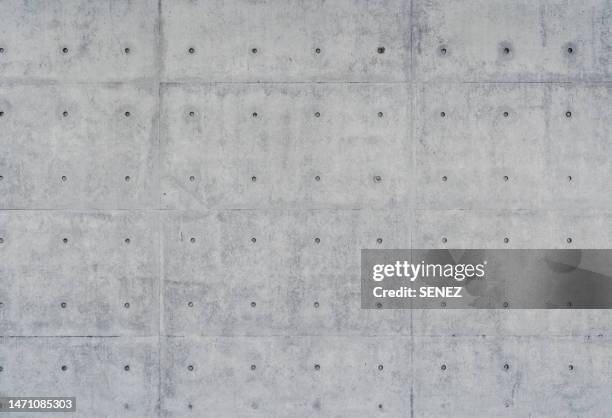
[127,238]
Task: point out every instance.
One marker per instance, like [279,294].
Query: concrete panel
[247,146]
[91,369]
[291,377]
[79,40]
[296,40]
[79,273]
[511,377]
[484,40]
[580,145]
[302,272]
[78,146]
[513,146]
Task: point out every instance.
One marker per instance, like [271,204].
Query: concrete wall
[186,186]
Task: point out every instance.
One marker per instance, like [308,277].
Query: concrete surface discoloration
[185,188]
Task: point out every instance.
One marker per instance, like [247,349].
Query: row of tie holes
[376,179]
[381,50]
[506,50]
[191,50]
[316,367]
[65,114]
[317,240]
[315,304]
[65,50]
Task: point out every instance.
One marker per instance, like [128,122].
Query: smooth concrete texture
[238,146]
[275,41]
[185,190]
